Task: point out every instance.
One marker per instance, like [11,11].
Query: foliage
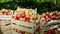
[41,5]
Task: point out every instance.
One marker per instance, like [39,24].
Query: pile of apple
[6,12]
[21,31]
[27,15]
[52,31]
[48,16]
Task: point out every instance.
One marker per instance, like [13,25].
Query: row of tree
[41,5]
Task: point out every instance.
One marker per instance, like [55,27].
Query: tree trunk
[57,4]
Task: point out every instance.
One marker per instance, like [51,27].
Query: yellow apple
[31,21]
[33,12]
[26,33]
[43,14]
[21,19]
[3,9]
[27,15]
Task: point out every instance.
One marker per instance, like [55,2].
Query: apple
[52,31]
[17,16]
[18,31]
[30,33]
[54,14]
[14,16]
[22,32]
[46,32]
[22,19]
[8,12]
[59,16]
[27,19]
[51,17]
[27,14]
[26,33]
[23,15]
[29,11]
[36,18]
[3,12]
[31,21]
[46,18]
[33,12]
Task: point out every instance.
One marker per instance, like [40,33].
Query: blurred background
[41,5]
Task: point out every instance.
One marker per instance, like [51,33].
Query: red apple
[46,32]
[8,12]
[3,12]
[52,31]
[27,19]
[17,16]
[54,14]
[46,18]
[23,15]
[50,15]
[22,32]
[35,18]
